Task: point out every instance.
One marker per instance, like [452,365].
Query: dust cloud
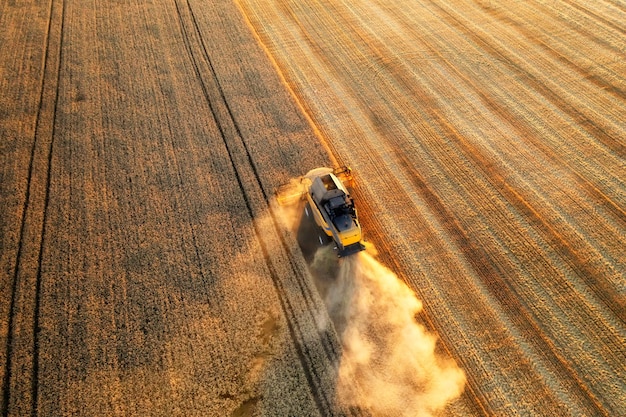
[389,365]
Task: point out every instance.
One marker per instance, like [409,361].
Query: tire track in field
[21,373]
[35,390]
[257,202]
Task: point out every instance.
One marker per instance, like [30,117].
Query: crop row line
[33,227]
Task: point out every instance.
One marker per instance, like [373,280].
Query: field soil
[146,268]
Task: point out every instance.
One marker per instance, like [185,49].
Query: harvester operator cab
[340,209]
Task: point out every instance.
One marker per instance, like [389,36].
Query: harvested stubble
[488,140]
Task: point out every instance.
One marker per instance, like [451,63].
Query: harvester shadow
[310,237]
[320,254]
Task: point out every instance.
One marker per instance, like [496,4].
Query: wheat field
[147,269]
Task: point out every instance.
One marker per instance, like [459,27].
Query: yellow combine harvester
[333,209]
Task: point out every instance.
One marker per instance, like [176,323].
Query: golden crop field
[148,270]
